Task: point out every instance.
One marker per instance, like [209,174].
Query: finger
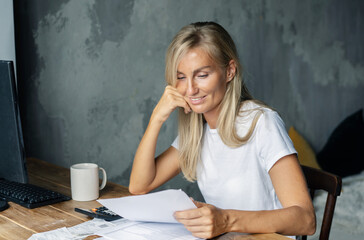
[188,214]
[170,87]
[172,95]
[199,221]
[187,109]
[203,232]
[198,228]
[183,104]
[199,204]
[172,90]
[191,222]
[203,235]
[174,101]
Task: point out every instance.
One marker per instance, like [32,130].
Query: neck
[211,119]
[212,116]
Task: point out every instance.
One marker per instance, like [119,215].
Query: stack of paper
[152,207]
[149,216]
[130,230]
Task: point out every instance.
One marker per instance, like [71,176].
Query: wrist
[231,220]
[155,121]
[157,118]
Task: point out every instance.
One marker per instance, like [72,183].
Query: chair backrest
[321,180]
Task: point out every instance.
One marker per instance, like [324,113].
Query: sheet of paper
[57,234]
[131,230]
[88,228]
[77,232]
[152,207]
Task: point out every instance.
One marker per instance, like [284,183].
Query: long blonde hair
[218,44]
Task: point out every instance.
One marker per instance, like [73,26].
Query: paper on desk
[77,232]
[152,207]
[126,229]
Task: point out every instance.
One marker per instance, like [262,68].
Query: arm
[297,217]
[149,172]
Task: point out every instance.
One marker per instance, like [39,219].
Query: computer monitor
[12,153]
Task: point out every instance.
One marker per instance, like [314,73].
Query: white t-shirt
[238,178]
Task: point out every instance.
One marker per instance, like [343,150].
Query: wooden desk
[20,223]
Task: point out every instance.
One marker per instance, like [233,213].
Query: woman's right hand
[170,100]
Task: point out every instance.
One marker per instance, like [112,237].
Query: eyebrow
[196,71]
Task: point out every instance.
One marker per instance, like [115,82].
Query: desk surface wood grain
[18,222]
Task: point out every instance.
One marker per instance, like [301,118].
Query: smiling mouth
[197,100]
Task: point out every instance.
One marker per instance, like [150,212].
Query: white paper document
[130,230]
[77,232]
[152,207]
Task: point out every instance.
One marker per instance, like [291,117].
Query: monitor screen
[12,153]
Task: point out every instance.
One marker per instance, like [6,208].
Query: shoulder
[250,109]
[257,115]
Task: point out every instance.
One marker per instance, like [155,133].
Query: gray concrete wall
[7,41]
[92,71]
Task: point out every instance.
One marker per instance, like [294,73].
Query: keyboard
[29,195]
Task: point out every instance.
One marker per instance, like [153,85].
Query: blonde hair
[218,44]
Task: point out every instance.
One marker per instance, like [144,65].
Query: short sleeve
[273,141]
[175,143]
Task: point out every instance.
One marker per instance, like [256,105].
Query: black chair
[321,180]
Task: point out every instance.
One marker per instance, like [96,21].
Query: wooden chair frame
[321,180]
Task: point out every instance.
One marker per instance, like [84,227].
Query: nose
[192,89]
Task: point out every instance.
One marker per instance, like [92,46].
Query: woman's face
[202,82]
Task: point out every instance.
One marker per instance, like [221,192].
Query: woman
[234,146]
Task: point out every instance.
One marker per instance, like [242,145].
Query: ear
[230,71]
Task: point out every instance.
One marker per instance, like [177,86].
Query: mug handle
[104,178]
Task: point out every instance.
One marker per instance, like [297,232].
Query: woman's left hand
[206,221]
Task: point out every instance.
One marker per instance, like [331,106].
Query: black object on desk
[12,152]
[3,205]
[101,212]
[28,195]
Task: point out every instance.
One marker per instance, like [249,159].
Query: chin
[198,110]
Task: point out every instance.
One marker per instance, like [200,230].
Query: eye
[202,75]
[180,77]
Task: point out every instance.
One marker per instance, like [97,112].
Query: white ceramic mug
[85,181]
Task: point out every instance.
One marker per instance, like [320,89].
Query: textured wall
[92,71]
[7,44]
